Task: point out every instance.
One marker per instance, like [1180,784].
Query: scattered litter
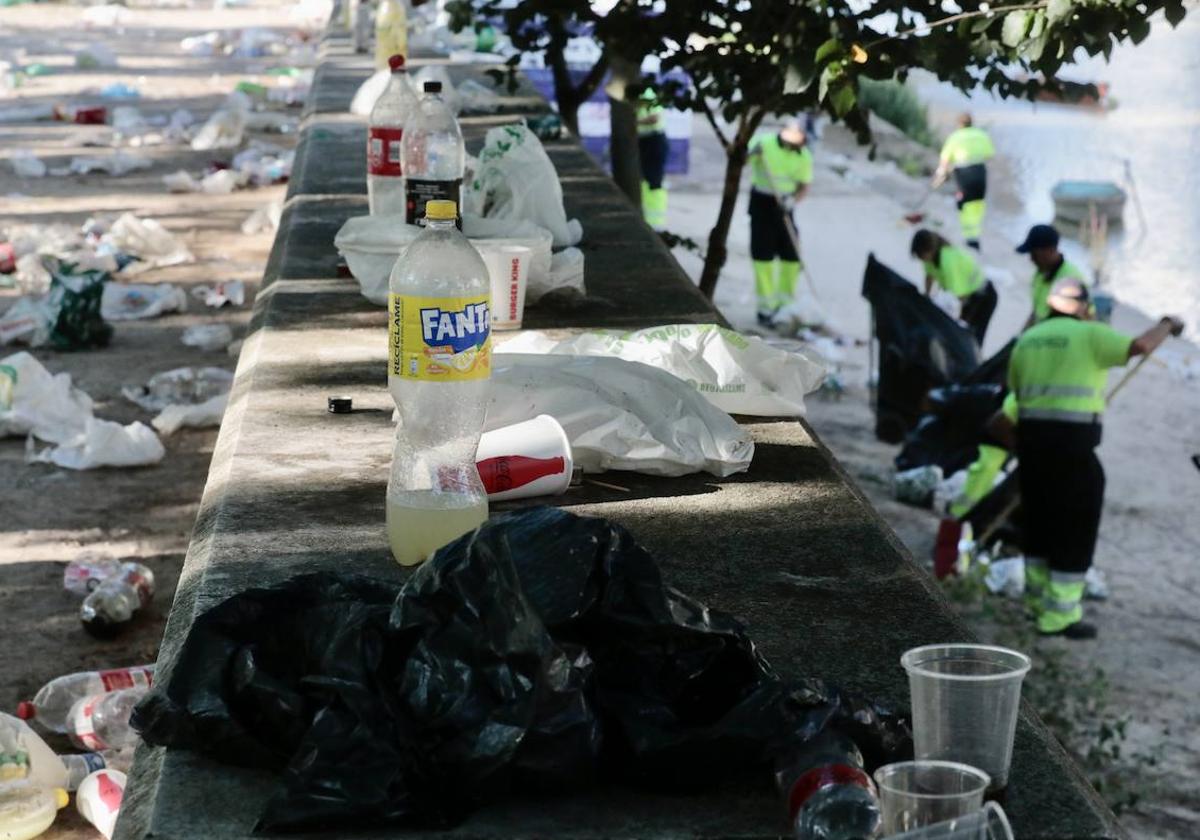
[223,130]
[26,113]
[207,45]
[208,336]
[256,43]
[119,163]
[264,219]
[99,800]
[135,301]
[1005,576]
[128,121]
[149,241]
[181,182]
[95,55]
[802,313]
[476,98]
[105,612]
[516,180]
[566,274]
[949,490]
[103,443]
[232,292]
[181,386]
[200,416]
[738,374]
[87,571]
[917,486]
[67,317]
[271,121]
[106,16]
[264,163]
[120,90]
[35,402]
[33,278]
[27,165]
[82,114]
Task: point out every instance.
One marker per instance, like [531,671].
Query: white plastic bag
[27,165]
[738,374]
[208,336]
[135,301]
[619,415]
[514,179]
[223,130]
[566,272]
[149,241]
[369,91]
[180,386]
[175,417]
[119,163]
[45,405]
[264,219]
[104,443]
[232,292]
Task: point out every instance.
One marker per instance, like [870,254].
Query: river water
[1155,127]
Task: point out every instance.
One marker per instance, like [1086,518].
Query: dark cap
[433,87]
[396,63]
[1039,236]
[341,405]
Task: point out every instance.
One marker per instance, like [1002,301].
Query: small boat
[1074,200]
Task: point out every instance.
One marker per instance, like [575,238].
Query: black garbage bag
[536,654]
[920,348]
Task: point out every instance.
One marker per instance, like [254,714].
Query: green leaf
[1038,24]
[980,24]
[1016,24]
[1175,12]
[829,75]
[1059,10]
[1033,48]
[830,48]
[843,98]
[1138,30]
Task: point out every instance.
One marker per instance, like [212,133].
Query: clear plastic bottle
[80,766]
[51,706]
[828,793]
[101,722]
[391,31]
[112,604]
[86,572]
[438,371]
[363,25]
[434,154]
[385,146]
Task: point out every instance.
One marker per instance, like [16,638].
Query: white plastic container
[27,811]
[525,460]
[24,756]
[98,799]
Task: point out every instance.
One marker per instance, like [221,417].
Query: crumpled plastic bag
[264,219]
[538,654]
[67,317]
[135,301]
[179,386]
[917,486]
[208,336]
[515,179]
[104,443]
[202,415]
[149,241]
[223,130]
[35,402]
[738,374]
[619,415]
[565,275]
[118,163]
[26,164]
[232,292]
[369,91]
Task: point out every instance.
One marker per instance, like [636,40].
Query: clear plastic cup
[964,704]
[913,794]
[988,823]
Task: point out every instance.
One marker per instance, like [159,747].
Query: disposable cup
[508,268]
[964,704]
[527,459]
[918,793]
[988,823]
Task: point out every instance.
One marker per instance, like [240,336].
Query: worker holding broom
[1058,372]
[967,151]
[781,168]
[958,273]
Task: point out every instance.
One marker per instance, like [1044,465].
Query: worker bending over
[958,273]
[781,168]
[1059,372]
[967,151]
[1041,244]
[652,150]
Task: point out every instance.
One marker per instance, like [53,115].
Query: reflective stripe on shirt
[777,168]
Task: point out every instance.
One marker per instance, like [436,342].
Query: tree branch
[1023,7]
[587,86]
[712,120]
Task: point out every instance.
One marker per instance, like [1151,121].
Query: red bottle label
[510,471]
[119,678]
[819,777]
[384,151]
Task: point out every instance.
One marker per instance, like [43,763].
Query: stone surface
[791,546]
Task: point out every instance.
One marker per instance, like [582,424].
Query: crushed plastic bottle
[86,572]
[111,606]
[181,386]
[438,374]
[385,142]
[99,799]
[434,155]
[101,722]
[51,707]
[828,793]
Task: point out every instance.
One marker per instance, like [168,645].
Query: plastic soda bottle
[828,793]
[434,154]
[439,364]
[101,722]
[51,706]
[391,31]
[111,605]
[385,148]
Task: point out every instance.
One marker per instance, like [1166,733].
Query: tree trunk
[623,145]
[735,162]
[565,95]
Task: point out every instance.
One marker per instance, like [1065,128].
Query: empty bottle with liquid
[439,366]
[434,155]
[111,605]
[51,707]
[828,793]
[385,147]
[101,722]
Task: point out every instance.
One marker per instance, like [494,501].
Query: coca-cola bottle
[101,722]
[50,708]
[385,147]
[828,793]
[434,155]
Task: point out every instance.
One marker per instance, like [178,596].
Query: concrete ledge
[791,547]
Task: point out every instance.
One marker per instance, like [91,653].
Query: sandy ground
[1150,534]
[49,515]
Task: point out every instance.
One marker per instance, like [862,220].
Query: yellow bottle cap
[441,210]
[61,798]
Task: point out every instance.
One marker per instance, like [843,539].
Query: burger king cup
[508,268]
[527,459]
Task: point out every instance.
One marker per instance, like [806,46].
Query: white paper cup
[527,459]
[508,268]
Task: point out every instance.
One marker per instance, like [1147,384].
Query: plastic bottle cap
[342,405]
[61,798]
[396,62]
[26,710]
[441,209]
[433,87]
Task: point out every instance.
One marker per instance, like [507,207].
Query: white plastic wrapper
[223,130]
[135,301]
[515,180]
[208,336]
[149,241]
[738,374]
[206,414]
[619,415]
[35,402]
[104,443]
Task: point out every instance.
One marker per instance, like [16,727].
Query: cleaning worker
[981,474]
[967,151]
[958,273]
[652,149]
[1041,244]
[781,168]
[1059,371]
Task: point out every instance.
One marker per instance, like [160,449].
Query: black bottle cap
[433,87]
[341,405]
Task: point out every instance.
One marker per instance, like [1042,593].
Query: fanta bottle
[439,364]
